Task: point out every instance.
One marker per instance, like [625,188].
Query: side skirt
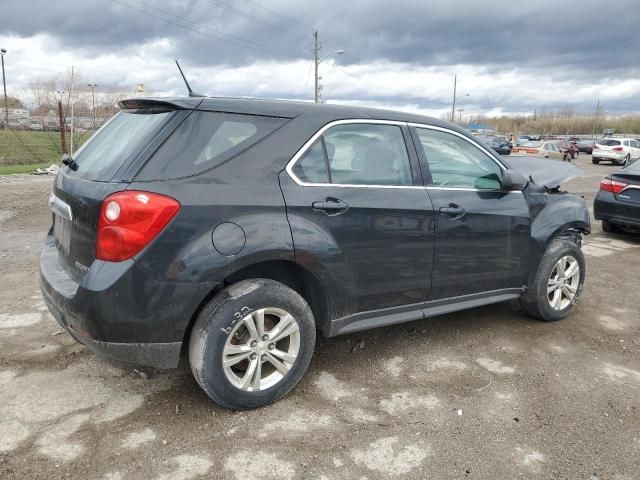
[418,311]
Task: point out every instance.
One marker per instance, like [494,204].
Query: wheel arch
[287,272]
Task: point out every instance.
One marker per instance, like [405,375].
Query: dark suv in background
[232,230]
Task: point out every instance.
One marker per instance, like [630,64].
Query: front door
[482,232]
[360,216]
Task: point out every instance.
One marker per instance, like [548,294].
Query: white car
[616,150]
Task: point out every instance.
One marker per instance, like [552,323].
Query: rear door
[77,194]
[360,216]
[482,232]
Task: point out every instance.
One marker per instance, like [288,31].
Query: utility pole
[93,86]
[453,107]
[460,110]
[316,62]
[63,141]
[595,118]
[71,100]
[4,85]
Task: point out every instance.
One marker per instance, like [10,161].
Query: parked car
[500,146]
[234,229]
[586,145]
[618,201]
[569,149]
[541,148]
[619,151]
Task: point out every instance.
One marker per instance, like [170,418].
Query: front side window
[455,162]
[357,154]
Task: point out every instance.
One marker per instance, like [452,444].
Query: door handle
[453,211]
[330,206]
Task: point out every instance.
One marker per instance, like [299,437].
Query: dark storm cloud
[543,33]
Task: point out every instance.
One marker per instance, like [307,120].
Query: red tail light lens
[129,221]
[532,150]
[618,149]
[612,186]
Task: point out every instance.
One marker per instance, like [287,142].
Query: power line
[219,32]
[271,11]
[255,19]
[215,37]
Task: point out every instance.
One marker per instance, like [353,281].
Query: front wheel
[558,282]
[252,343]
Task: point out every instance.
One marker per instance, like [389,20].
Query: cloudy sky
[509,56]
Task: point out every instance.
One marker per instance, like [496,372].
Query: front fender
[553,214]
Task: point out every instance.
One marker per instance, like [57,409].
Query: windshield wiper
[70,162]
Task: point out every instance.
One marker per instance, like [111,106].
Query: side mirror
[512,180]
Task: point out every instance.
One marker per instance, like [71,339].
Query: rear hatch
[104,166]
[608,145]
[527,148]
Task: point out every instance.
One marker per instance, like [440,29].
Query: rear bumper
[607,207]
[611,156]
[118,311]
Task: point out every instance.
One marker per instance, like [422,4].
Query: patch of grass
[9,169]
[19,147]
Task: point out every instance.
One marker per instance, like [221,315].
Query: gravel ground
[486,393]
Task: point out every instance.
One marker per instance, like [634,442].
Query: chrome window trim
[630,187]
[307,145]
[303,150]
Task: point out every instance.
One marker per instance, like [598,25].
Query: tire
[535,301]
[626,160]
[224,323]
[609,227]
[595,161]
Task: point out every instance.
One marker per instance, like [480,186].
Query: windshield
[126,134]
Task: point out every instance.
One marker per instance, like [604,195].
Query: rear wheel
[626,159]
[252,343]
[558,282]
[609,227]
[595,161]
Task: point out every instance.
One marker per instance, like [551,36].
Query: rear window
[531,144]
[205,140]
[125,135]
[633,168]
[608,142]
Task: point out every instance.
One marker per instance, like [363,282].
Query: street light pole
[93,86]
[4,86]
[453,107]
[317,46]
[316,49]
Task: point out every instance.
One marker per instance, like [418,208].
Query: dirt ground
[487,393]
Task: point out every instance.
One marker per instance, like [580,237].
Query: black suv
[234,229]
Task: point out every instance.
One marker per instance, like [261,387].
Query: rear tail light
[612,186]
[595,147]
[532,150]
[129,221]
[618,149]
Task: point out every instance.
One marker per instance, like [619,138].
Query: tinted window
[531,144]
[128,132]
[609,142]
[205,140]
[366,154]
[312,167]
[549,147]
[455,162]
[626,143]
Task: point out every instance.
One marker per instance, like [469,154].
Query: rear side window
[205,140]
[357,154]
[125,135]
[312,167]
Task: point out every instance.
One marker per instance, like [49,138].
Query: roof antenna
[191,92]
